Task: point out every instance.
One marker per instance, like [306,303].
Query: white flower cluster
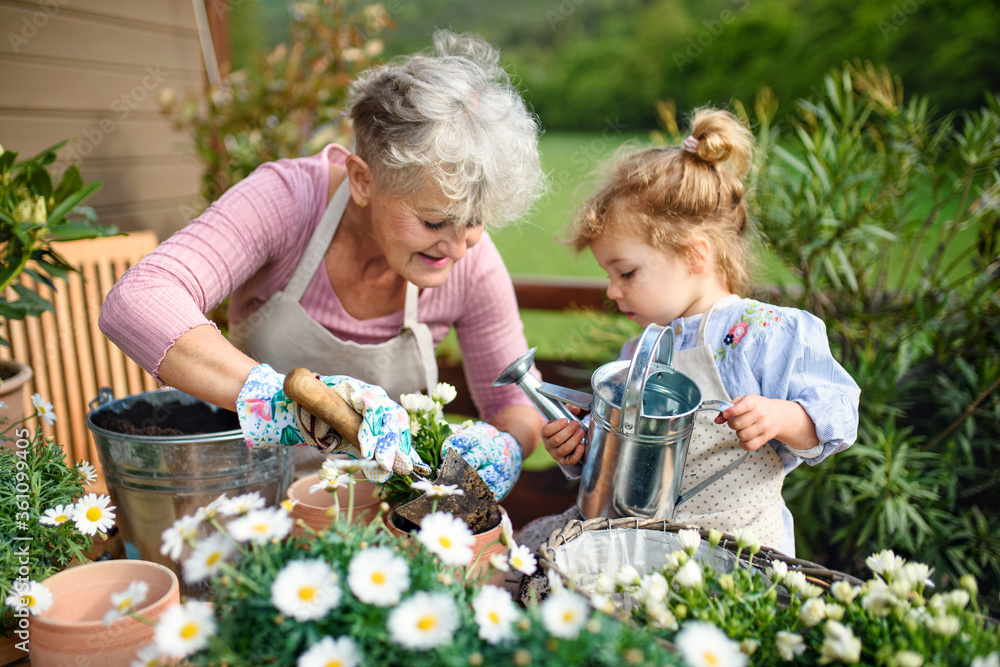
[423,408]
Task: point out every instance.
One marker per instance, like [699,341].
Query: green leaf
[65,206]
[74,231]
[41,182]
[71,182]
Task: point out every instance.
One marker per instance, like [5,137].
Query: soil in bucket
[175,418]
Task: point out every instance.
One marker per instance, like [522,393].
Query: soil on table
[172,418]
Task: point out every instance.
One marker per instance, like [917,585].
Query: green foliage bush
[888,219]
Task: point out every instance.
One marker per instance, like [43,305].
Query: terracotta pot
[482,549]
[72,627]
[313,505]
[14,375]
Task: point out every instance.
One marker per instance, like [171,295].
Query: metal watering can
[642,415]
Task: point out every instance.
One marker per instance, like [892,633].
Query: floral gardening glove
[494,454]
[268,418]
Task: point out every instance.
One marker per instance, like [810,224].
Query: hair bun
[723,140]
[471,47]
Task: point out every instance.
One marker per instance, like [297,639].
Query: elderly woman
[357,265]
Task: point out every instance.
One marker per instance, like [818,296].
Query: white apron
[749,496]
[282,334]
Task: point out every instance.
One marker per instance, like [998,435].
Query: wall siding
[91,70]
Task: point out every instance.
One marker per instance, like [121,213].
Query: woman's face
[419,241]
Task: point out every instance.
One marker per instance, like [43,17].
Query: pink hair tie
[691,145]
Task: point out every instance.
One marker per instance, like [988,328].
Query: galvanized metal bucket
[154,480]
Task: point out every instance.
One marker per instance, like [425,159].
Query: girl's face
[420,243]
[648,285]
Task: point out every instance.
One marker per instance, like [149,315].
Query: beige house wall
[91,70]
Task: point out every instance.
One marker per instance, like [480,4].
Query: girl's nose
[613,292]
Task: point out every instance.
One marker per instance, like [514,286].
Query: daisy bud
[968,582]
[714,537]
[727,583]
[627,577]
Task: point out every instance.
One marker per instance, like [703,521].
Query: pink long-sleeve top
[247,245]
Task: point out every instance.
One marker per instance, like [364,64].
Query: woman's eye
[434,225]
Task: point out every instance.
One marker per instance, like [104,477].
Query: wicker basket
[548,554]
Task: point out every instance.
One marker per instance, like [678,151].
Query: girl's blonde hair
[668,196]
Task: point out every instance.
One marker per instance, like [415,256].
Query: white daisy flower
[432,490]
[57,516]
[93,514]
[689,575]
[34,597]
[242,504]
[705,645]
[843,591]
[126,601]
[423,621]
[410,402]
[210,510]
[522,560]
[627,577]
[43,408]
[378,576]
[148,656]
[495,614]
[444,393]
[88,471]
[506,531]
[795,581]
[173,539]
[790,645]
[330,652]
[185,628]
[778,571]
[306,590]
[207,557]
[813,612]
[500,562]
[907,659]
[448,537]
[565,614]
[331,484]
[690,540]
[336,467]
[991,660]
[840,644]
[654,586]
[261,525]
[745,539]
[885,562]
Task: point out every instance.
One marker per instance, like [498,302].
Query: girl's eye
[628,274]
[434,225]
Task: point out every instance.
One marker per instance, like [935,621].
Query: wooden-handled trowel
[477,507]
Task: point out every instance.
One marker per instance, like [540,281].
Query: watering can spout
[518,373]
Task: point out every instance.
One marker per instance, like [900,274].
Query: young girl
[670,228]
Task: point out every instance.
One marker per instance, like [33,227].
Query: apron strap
[703,325]
[319,243]
[422,335]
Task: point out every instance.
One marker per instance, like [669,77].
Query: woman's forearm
[206,365]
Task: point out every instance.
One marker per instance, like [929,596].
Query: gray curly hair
[451,116]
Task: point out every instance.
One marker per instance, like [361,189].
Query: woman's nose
[459,239]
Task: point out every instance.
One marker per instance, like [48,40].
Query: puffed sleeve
[786,355]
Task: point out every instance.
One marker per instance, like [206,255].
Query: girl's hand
[758,420]
[563,439]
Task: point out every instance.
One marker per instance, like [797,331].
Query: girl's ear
[359,175]
[699,255]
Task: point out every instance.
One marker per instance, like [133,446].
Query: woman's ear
[359,176]
[699,255]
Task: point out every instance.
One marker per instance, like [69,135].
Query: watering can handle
[653,351]
[721,406]
[305,388]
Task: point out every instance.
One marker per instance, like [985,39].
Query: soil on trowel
[173,418]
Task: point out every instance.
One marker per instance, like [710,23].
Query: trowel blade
[477,506]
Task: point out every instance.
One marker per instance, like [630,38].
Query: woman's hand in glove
[494,454]
[268,417]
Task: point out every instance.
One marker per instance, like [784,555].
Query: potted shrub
[34,213]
